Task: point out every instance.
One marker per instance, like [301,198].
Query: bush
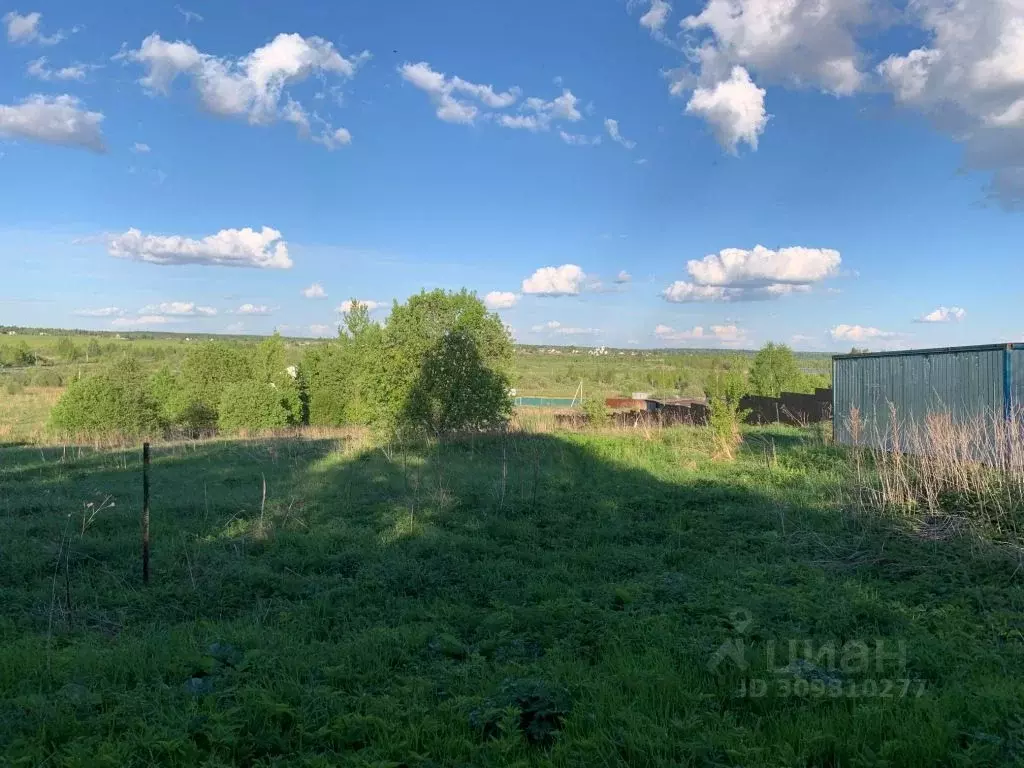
[47,378]
[252,405]
[209,369]
[115,401]
[596,412]
[14,387]
[724,418]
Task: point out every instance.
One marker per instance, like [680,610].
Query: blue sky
[875,156]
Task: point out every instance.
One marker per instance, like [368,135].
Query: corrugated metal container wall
[966,383]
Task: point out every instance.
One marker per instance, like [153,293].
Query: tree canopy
[775,371]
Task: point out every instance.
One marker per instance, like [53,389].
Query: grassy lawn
[570,600]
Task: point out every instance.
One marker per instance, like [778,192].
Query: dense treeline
[441,362]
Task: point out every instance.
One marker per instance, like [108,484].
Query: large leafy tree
[338,376]
[443,364]
[775,371]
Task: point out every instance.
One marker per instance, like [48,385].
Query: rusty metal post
[145,513]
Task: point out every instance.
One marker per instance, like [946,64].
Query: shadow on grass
[380,605]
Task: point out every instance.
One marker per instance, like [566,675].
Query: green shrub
[46,377]
[596,412]
[115,401]
[252,405]
[725,416]
[14,387]
[209,369]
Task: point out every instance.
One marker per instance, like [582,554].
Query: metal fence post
[145,513]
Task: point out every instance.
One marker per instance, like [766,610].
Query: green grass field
[559,599]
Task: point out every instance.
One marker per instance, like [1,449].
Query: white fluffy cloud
[461,101]
[140,149]
[230,248]
[536,114]
[323,330]
[101,312]
[39,68]
[24,28]
[565,280]
[795,266]
[737,274]
[612,126]
[944,315]
[252,86]
[370,304]
[656,16]
[443,92]
[859,333]
[253,309]
[969,80]
[682,291]
[315,291]
[178,309]
[500,300]
[734,108]
[799,43]
[796,43]
[623,277]
[724,334]
[57,120]
[553,326]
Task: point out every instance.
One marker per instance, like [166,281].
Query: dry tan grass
[942,466]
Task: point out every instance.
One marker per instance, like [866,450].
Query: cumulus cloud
[253,309]
[969,80]
[724,334]
[229,248]
[565,280]
[39,68]
[623,277]
[859,333]
[59,120]
[24,28]
[370,304]
[553,326]
[140,149]
[656,16]
[444,92]
[612,126]
[944,315]
[500,300]
[734,108]
[795,265]
[315,291]
[253,86]
[681,291]
[101,312]
[178,309]
[737,274]
[796,43]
